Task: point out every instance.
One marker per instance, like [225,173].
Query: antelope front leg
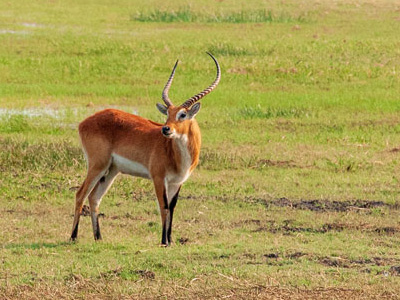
[162,198]
[167,196]
[173,193]
[170,197]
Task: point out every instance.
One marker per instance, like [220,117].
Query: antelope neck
[185,149]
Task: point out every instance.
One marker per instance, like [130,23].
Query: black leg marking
[174,199]
[164,239]
[170,227]
[171,214]
[75,232]
[165,199]
[98,234]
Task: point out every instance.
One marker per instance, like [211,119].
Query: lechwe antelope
[118,142]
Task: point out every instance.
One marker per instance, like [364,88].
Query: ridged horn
[188,103]
[165,97]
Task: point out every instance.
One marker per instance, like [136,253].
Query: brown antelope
[116,142]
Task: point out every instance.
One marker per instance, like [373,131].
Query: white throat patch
[182,175]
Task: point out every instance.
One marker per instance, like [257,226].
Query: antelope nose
[166,130]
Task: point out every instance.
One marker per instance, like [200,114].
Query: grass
[185,14]
[296,194]
[256,112]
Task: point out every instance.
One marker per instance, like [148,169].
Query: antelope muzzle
[166,131]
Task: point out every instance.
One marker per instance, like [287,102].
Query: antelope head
[179,117]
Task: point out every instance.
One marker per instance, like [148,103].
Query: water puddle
[58,113]
[33,25]
[9,31]
[22,32]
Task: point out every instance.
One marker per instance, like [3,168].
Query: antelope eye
[183,116]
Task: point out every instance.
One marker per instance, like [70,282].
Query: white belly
[130,167]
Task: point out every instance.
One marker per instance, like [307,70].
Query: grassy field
[296,195]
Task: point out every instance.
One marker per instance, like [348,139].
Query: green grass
[251,112]
[296,194]
[185,14]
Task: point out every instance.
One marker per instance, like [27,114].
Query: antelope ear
[162,108]
[194,110]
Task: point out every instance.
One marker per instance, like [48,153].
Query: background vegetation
[296,195]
